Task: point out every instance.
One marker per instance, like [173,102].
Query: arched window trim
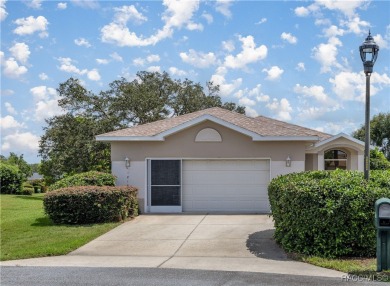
[208,135]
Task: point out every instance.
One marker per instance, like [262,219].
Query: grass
[27,232]
[359,269]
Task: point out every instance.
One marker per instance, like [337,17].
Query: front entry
[164,185]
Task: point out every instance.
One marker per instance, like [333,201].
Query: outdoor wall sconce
[127,162]
[288,161]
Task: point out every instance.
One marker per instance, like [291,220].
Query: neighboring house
[219,160]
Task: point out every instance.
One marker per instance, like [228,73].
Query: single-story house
[218,160]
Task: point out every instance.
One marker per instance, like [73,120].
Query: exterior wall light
[368,53]
[288,161]
[127,162]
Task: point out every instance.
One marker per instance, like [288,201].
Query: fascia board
[340,135]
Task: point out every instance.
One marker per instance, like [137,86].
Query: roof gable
[259,129]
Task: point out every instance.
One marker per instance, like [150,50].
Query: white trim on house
[340,135]
[161,136]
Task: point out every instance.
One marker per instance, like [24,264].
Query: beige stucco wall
[182,145]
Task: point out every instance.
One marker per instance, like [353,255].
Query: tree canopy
[68,145]
[379,133]
[18,161]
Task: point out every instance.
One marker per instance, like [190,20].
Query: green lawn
[27,232]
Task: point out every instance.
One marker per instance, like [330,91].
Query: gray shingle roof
[261,125]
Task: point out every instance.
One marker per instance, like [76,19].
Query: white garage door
[225,185]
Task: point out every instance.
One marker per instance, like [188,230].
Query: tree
[379,133]
[23,166]
[378,160]
[68,145]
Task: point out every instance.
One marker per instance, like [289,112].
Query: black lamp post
[368,53]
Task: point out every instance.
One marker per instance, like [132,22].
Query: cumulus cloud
[93,75]
[149,59]
[12,69]
[326,54]
[10,109]
[262,21]
[102,61]
[249,54]
[209,18]
[300,67]
[87,4]
[3,12]
[116,57]
[35,4]
[314,91]
[333,31]
[177,72]
[301,11]
[225,88]
[288,37]
[274,73]
[46,102]
[348,8]
[21,52]
[281,109]
[20,142]
[356,26]
[223,7]
[154,69]
[198,59]
[126,13]
[62,5]
[228,46]
[68,66]
[9,122]
[30,25]
[82,42]
[178,14]
[43,76]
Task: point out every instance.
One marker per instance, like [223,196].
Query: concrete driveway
[185,241]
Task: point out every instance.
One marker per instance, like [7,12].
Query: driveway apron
[187,241]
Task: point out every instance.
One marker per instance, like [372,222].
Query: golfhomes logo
[365,278]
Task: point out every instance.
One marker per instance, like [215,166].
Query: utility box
[382,224]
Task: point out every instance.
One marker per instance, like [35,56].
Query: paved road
[53,276]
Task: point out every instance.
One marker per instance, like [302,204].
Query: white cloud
[228,46]
[46,102]
[148,59]
[88,4]
[314,91]
[7,92]
[177,72]
[333,31]
[93,75]
[225,88]
[262,21]
[301,11]
[126,13]
[35,4]
[300,67]
[223,7]
[289,38]
[3,12]
[383,43]
[12,69]
[116,57]
[62,5]
[68,66]
[43,76]
[281,109]
[20,142]
[249,54]
[209,18]
[274,73]
[82,42]
[9,122]
[326,54]
[198,59]
[176,15]
[153,58]
[10,108]
[352,86]
[30,25]
[246,101]
[249,111]
[102,61]
[138,62]
[346,7]
[154,69]
[21,52]
[356,26]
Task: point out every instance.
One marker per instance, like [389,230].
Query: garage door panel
[225,185]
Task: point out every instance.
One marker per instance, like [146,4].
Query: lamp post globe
[368,53]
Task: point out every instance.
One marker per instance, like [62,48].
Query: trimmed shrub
[91,178]
[327,214]
[91,204]
[38,184]
[27,189]
[11,179]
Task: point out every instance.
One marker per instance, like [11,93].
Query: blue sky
[295,61]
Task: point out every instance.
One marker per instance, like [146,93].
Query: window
[335,159]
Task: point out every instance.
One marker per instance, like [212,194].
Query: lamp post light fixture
[368,53]
[288,161]
[127,162]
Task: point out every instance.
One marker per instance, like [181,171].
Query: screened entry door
[164,185]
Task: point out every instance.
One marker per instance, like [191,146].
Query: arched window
[335,159]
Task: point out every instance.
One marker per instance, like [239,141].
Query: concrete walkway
[184,241]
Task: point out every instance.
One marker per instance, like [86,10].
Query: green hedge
[327,214]
[91,204]
[11,179]
[27,189]
[91,178]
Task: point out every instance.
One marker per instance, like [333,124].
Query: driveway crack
[181,245]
